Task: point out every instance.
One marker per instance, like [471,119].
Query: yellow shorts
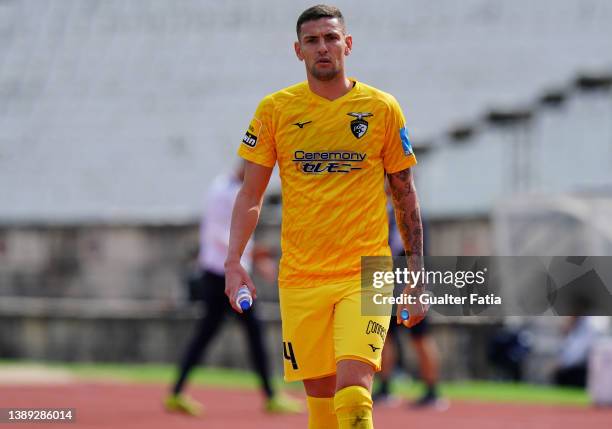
[323,324]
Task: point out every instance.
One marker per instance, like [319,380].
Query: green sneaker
[283,404]
[183,404]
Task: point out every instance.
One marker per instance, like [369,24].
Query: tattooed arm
[408,219]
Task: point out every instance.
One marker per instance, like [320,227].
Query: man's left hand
[416,310]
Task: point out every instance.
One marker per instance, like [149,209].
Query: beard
[324,74]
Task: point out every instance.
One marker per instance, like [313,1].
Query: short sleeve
[258,143]
[397,150]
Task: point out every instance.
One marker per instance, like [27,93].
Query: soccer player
[334,139]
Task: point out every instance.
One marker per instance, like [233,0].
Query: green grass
[481,391]
[145,373]
[489,391]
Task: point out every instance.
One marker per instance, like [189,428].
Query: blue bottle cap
[404,314]
[245,305]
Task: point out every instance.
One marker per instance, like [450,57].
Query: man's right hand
[235,277]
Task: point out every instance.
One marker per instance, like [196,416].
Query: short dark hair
[317,12]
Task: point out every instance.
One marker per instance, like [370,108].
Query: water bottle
[244,300]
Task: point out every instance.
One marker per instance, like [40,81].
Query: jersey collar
[350,93]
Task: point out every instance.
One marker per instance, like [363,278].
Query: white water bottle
[244,300]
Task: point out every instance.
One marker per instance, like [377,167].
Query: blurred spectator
[424,345]
[581,332]
[207,284]
[508,350]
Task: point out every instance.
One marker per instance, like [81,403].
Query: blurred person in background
[508,351]
[209,286]
[428,358]
[424,345]
[581,332]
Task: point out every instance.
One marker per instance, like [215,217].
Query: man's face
[323,46]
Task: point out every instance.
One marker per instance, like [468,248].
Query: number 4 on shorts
[289,355]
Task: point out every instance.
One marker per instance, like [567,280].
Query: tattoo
[408,216]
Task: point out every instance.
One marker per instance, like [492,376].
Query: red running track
[138,406]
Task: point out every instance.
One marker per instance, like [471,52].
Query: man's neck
[330,89]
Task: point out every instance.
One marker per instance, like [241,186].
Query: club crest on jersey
[359,126]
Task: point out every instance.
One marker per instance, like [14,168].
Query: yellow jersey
[332,158]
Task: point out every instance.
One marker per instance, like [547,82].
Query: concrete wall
[163,337]
[159,336]
[466,237]
[114,294]
[105,262]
